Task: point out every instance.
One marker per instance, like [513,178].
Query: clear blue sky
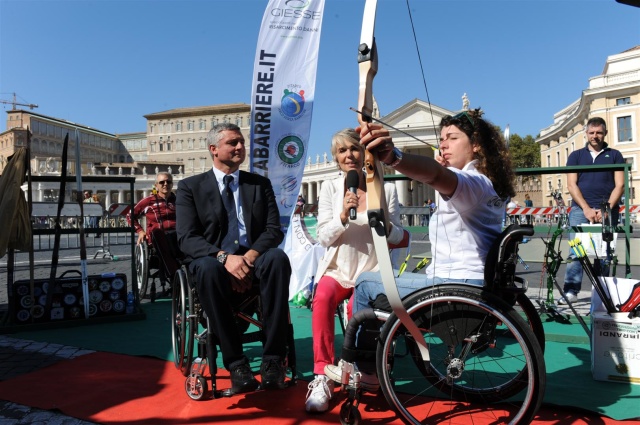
[106,63]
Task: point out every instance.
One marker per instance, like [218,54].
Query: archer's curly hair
[493,157]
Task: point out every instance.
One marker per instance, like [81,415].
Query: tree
[525,153]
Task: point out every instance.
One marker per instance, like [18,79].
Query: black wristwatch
[222,257]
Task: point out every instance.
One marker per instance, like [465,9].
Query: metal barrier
[115,211]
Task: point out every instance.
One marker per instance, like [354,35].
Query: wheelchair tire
[484,357]
[532,317]
[184,325]
[142,268]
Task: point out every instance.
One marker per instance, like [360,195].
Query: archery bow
[83,244]
[376,200]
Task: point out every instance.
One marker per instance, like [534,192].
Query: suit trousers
[272,272]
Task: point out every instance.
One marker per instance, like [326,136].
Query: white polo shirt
[465,226]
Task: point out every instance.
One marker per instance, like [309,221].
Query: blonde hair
[345,138]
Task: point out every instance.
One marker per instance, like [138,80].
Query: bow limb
[376,199]
[83,246]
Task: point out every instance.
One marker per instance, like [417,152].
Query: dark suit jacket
[201,220]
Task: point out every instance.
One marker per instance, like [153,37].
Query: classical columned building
[614,96]
[419,124]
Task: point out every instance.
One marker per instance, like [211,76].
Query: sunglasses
[163,182]
[463,114]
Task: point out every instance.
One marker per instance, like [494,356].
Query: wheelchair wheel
[184,325]
[532,317]
[349,414]
[196,387]
[486,364]
[142,268]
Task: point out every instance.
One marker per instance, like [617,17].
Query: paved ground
[19,356]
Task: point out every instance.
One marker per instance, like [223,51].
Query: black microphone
[353,181]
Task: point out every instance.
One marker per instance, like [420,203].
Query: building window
[189,143]
[190,125]
[191,162]
[168,146]
[203,125]
[161,146]
[202,146]
[239,121]
[548,160]
[624,129]
[178,126]
[558,158]
[623,101]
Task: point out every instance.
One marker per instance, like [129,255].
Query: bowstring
[433,124]
[424,79]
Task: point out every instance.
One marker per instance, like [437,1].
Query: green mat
[567,355]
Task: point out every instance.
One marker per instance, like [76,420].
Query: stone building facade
[614,96]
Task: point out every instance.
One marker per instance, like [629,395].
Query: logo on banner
[297,4]
[292,104]
[291,150]
[288,191]
[289,184]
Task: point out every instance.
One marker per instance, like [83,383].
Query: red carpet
[118,389]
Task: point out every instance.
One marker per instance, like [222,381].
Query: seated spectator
[229,229]
[159,209]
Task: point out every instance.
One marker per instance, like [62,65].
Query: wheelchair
[191,331]
[485,344]
[151,267]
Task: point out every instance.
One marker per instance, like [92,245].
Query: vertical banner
[283,88]
[305,253]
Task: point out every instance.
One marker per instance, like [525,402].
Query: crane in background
[15,103]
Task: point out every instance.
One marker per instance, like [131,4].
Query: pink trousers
[329,294]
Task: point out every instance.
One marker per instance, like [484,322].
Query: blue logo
[292,104]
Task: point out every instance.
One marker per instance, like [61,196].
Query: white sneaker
[570,296]
[368,381]
[319,394]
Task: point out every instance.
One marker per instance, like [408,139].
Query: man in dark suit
[229,252]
